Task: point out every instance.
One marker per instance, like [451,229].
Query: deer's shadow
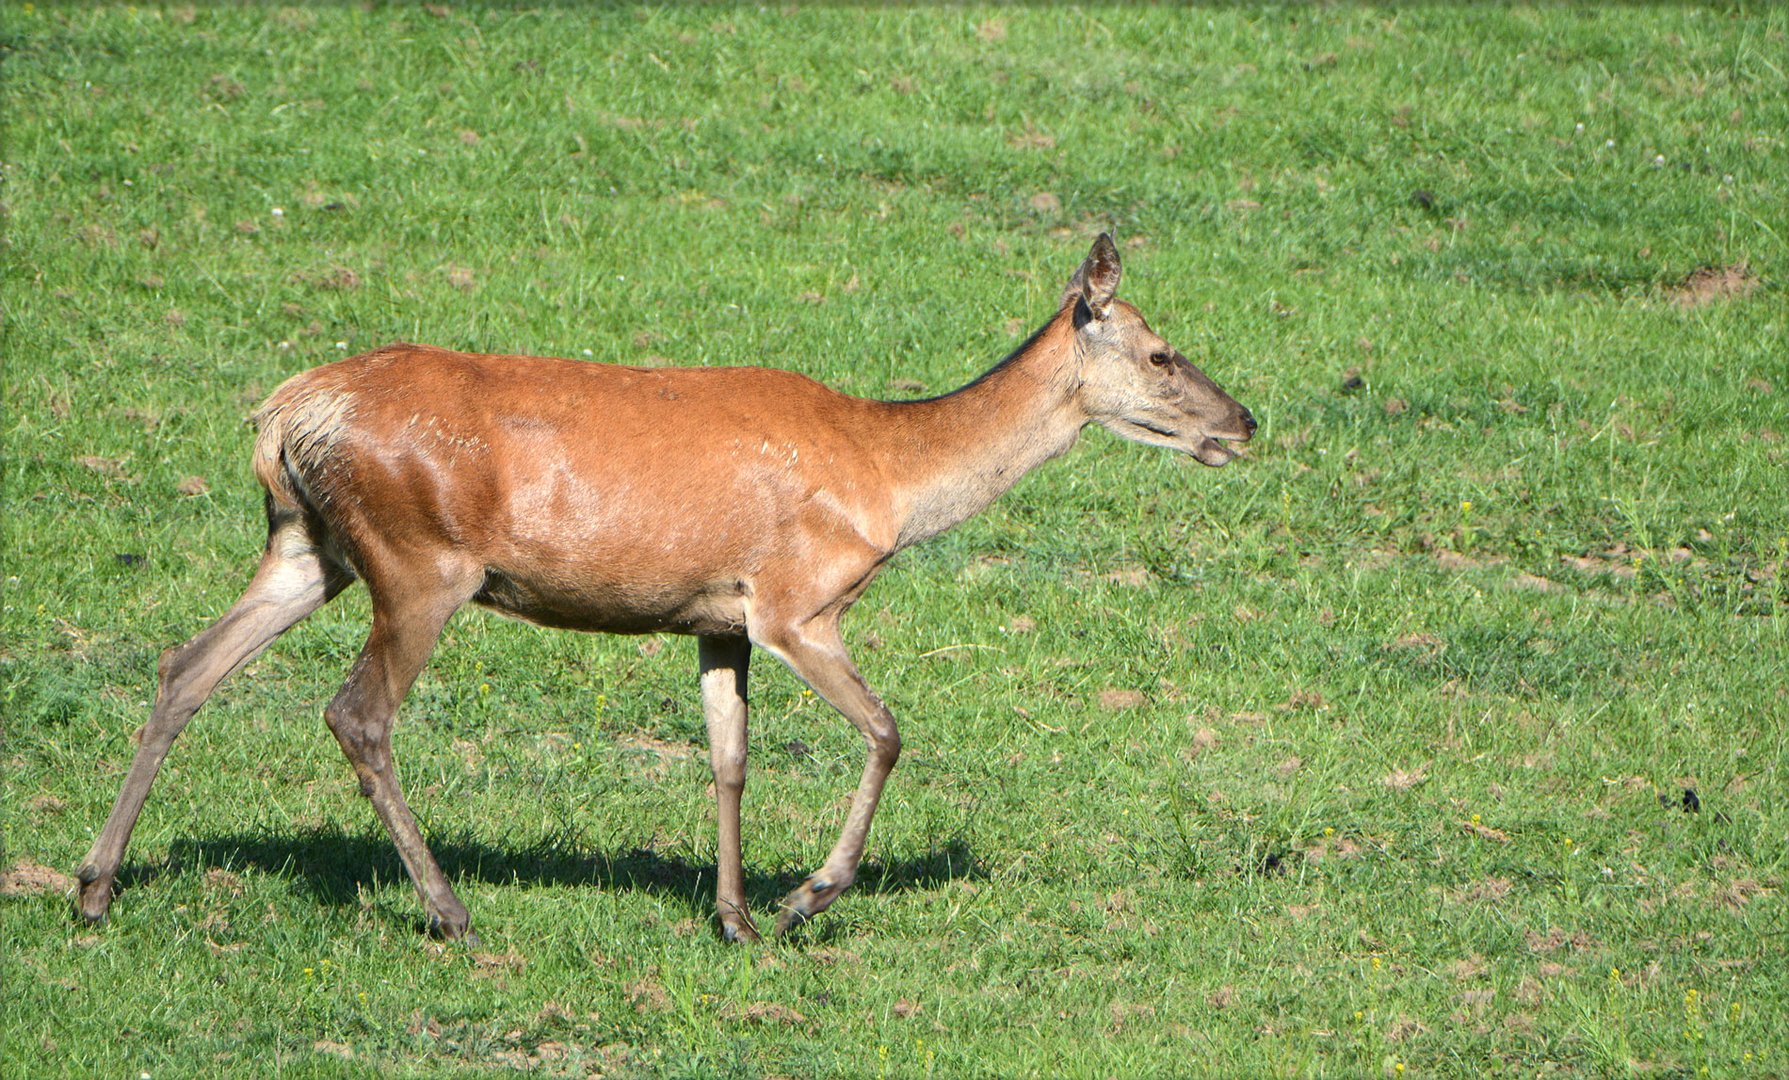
[333,866]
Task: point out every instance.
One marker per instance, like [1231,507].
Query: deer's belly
[620,607]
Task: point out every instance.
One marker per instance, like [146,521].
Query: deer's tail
[298,429]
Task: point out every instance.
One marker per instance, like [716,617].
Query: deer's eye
[1161,359]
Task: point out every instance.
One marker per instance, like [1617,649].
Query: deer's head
[1136,384]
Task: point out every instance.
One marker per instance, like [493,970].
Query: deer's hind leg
[411,605]
[294,579]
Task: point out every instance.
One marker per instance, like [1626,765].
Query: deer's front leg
[723,662]
[815,652]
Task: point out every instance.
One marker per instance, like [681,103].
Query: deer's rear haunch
[747,506]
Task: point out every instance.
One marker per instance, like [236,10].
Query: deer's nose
[1248,421]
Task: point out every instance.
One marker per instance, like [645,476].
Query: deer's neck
[960,452]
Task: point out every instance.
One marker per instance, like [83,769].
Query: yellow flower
[1377,963]
[310,971]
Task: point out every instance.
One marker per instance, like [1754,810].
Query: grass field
[1370,754]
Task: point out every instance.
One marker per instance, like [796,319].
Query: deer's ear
[1096,281]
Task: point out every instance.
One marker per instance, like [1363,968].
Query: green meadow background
[1443,735]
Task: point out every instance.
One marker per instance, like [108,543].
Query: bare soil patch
[26,878]
[1708,284]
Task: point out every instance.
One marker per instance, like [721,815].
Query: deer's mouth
[1213,452]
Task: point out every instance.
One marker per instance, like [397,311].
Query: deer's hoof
[450,928]
[94,897]
[743,933]
[789,918]
[809,899]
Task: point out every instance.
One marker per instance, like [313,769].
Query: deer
[748,507]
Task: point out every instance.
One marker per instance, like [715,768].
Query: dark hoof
[809,899]
[452,930]
[789,918]
[733,933]
[94,897]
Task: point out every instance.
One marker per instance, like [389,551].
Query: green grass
[1367,751]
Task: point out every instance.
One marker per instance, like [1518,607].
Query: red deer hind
[746,506]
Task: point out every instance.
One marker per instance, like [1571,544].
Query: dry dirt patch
[1401,779]
[26,878]
[1707,284]
[1115,699]
[765,1012]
